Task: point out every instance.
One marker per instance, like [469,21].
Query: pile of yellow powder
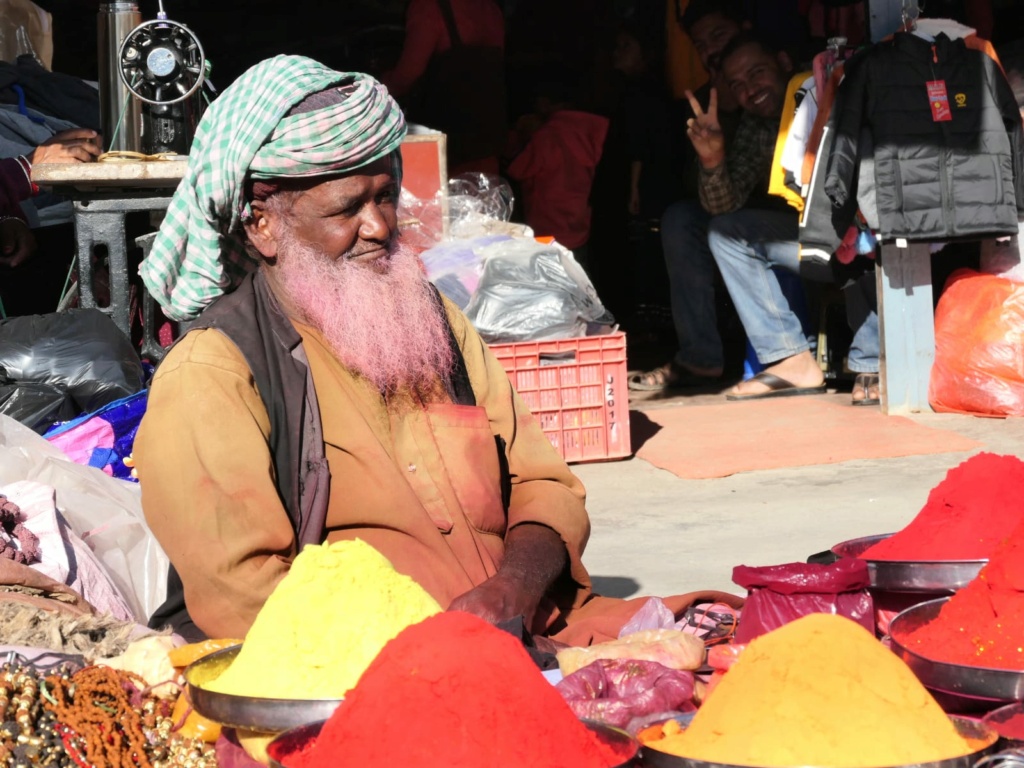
[819,691]
[324,623]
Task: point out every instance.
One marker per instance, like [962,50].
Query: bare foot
[801,369]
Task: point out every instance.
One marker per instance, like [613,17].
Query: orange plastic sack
[979,357]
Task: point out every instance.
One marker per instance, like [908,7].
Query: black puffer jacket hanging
[936,179]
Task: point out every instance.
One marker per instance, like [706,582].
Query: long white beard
[381,319]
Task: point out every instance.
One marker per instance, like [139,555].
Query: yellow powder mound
[819,691]
[324,623]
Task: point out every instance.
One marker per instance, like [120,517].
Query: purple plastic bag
[778,594]
[615,691]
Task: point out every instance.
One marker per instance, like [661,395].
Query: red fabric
[556,170]
[480,22]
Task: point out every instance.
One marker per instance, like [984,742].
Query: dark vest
[251,318]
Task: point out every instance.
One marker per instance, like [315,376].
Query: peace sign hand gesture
[705,132]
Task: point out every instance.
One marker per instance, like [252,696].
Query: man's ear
[785,63]
[259,230]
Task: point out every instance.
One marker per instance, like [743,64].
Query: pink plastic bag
[778,594]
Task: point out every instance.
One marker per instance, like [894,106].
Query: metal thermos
[120,111]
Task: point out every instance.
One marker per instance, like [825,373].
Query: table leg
[106,228]
[906,323]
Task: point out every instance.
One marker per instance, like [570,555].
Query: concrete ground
[655,533]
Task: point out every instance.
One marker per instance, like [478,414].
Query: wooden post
[906,327]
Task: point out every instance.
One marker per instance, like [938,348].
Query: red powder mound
[982,625]
[976,506]
[455,691]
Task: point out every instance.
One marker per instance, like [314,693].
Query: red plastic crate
[576,389]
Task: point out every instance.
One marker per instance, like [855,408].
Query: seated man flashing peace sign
[749,245]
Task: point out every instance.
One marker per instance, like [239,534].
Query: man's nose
[373,225]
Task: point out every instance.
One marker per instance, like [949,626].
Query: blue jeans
[691,277]
[747,246]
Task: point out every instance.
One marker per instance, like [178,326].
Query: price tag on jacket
[939,101]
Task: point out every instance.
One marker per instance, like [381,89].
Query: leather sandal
[668,376]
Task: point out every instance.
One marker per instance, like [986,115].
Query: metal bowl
[933,576]
[997,719]
[981,733]
[296,740]
[959,679]
[248,712]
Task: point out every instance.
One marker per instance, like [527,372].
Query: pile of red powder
[976,506]
[982,625]
[455,691]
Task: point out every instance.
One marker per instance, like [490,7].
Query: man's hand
[497,599]
[78,145]
[705,132]
[17,243]
[534,557]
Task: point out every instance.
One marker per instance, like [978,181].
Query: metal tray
[294,741]
[932,576]
[969,729]
[248,712]
[959,679]
[997,717]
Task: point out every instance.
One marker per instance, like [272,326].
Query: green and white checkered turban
[248,133]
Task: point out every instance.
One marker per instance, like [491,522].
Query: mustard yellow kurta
[421,486]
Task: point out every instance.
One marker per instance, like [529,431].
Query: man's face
[710,35]
[757,80]
[352,217]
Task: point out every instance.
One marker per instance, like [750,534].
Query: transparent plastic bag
[481,204]
[619,691]
[779,594]
[530,291]
[979,363]
[1002,256]
[104,512]
[25,28]
[420,221]
[455,266]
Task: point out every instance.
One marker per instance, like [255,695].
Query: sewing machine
[151,78]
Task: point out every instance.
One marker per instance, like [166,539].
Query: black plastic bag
[79,356]
[37,406]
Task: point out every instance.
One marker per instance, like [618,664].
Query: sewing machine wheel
[161,62]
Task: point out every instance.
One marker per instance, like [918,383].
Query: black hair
[698,9]
[745,38]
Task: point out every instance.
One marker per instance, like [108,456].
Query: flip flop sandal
[777,387]
[865,382]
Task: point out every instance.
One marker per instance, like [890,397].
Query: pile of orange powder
[819,691]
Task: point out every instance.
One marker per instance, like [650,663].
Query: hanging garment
[948,140]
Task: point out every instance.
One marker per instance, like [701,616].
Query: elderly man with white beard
[327,391]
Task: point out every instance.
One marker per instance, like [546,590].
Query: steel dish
[980,732]
[959,679]
[298,739]
[248,712]
[932,576]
